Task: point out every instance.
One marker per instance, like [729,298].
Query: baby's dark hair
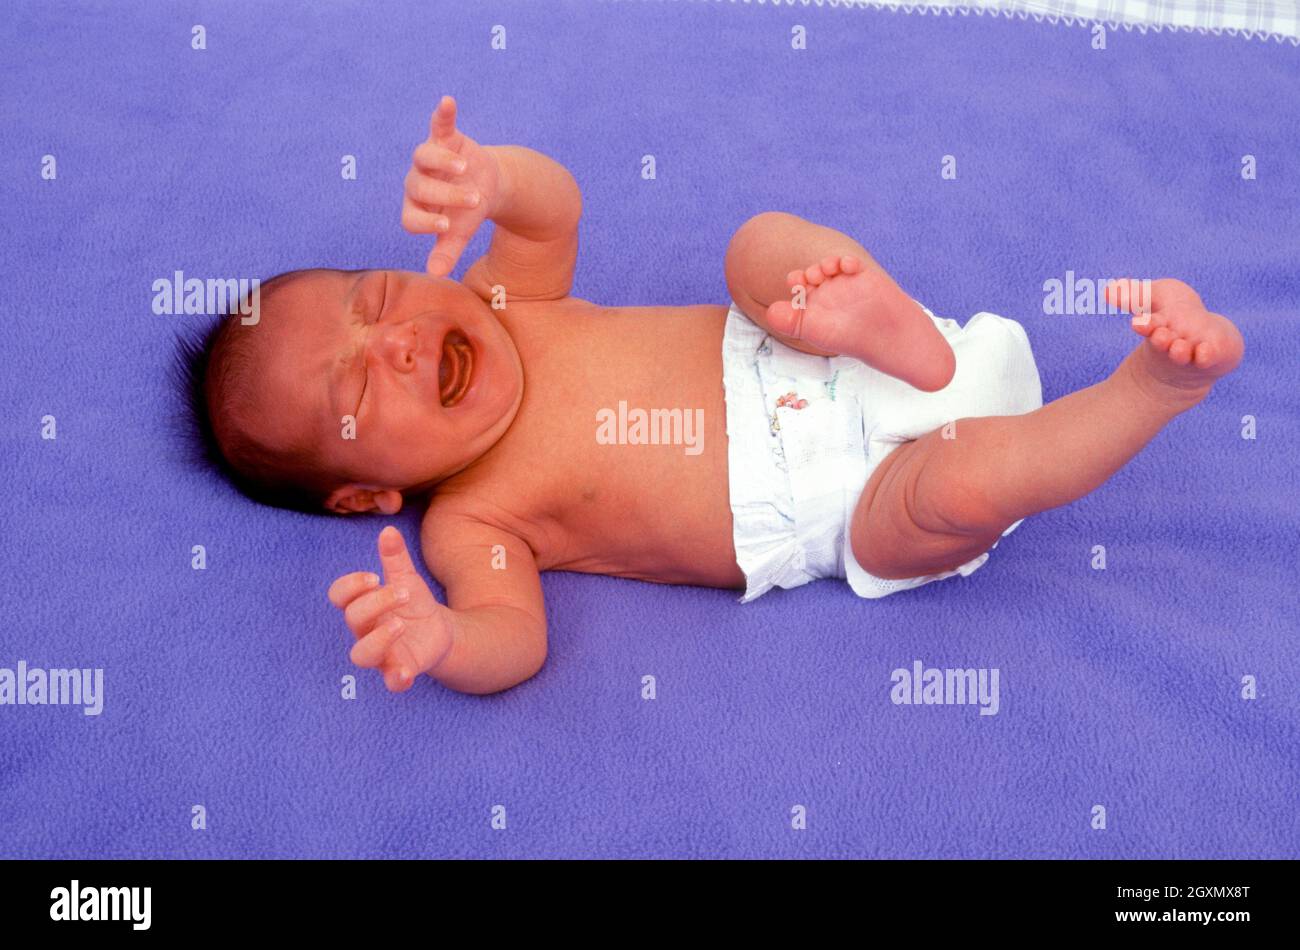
[210,369]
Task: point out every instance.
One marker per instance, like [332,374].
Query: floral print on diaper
[790,400]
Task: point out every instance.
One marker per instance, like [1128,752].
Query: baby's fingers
[442,259]
[370,651]
[363,613]
[419,221]
[407,653]
[433,158]
[442,126]
[402,663]
[397,680]
[389,648]
[431,193]
[351,586]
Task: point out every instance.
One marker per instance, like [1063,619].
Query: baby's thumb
[393,555]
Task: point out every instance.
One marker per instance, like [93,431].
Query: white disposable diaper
[805,433]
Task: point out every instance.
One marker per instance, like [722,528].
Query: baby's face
[423,365]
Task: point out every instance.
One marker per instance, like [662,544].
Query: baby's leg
[936,503]
[819,291]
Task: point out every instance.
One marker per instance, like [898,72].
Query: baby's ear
[352,499]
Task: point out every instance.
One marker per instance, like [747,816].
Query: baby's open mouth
[455,369]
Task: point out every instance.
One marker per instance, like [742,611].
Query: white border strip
[1027,9]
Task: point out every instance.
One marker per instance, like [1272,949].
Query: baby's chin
[469,428]
[491,394]
[486,413]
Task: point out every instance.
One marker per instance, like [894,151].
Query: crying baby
[824,424]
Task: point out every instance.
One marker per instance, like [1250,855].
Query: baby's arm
[490,636]
[535,243]
[454,185]
[495,591]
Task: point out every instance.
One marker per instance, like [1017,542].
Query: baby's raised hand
[401,628]
[451,187]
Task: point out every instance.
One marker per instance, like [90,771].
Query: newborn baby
[823,425]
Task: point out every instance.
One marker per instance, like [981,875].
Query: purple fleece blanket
[1124,688]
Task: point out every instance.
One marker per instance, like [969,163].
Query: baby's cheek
[381,437]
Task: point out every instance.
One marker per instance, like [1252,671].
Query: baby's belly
[653,519]
[629,420]
[645,546]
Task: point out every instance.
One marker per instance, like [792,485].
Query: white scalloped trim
[1052,18]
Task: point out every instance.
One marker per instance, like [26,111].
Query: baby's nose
[397,345]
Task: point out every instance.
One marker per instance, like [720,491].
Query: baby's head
[353,388]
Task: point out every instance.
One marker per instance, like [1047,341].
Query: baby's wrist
[452,626]
[500,197]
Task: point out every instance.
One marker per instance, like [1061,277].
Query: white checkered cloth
[1262,19]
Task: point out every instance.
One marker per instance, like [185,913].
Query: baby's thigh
[917,515]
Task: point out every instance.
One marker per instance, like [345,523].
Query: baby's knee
[921,515]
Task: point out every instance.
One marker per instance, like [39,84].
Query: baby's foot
[1190,347]
[862,313]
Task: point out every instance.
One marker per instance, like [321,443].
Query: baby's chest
[622,484]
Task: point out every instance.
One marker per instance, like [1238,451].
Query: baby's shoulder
[470,512]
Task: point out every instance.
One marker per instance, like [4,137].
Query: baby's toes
[1146,323]
[830,265]
[1162,338]
[1142,324]
[1180,352]
[1119,293]
[1205,354]
[850,264]
[1223,348]
[814,275]
[782,318]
